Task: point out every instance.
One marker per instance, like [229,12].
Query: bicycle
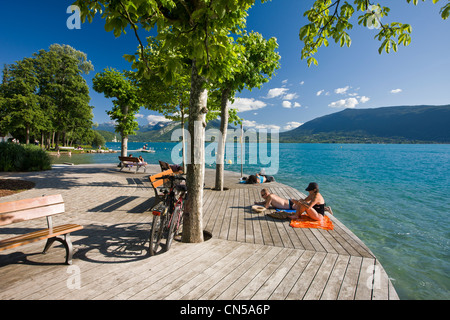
[168,215]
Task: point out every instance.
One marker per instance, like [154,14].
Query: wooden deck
[249,257]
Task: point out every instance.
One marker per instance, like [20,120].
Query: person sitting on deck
[313,205]
[275,201]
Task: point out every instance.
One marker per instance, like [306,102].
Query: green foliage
[117,85]
[331,20]
[46,94]
[16,157]
[98,139]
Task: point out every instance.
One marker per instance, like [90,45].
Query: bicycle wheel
[174,225]
[158,224]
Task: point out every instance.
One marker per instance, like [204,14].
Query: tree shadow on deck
[122,201]
[118,243]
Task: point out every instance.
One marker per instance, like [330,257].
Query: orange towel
[307,222]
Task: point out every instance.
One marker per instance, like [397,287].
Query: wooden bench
[131,161]
[157,182]
[175,168]
[28,209]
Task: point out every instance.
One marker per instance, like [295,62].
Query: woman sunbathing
[313,205]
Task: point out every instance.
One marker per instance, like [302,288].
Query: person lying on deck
[260,178]
[275,201]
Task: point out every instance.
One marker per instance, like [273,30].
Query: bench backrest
[156,181]
[27,209]
[164,165]
[131,159]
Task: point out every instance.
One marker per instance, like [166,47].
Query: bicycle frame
[172,205]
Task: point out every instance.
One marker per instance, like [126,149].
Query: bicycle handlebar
[171,177]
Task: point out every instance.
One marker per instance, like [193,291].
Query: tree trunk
[124,151]
[220,156]
[183,140]
[193,219]
[27,138]
[42,139]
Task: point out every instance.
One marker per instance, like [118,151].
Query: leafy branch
[329,19]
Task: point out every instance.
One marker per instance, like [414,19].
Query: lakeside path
[250,255]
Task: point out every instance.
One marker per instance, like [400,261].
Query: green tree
[256,62]
[331,20]
[64,94]
[200,30]
[118,85]
[170,98]
[20,102]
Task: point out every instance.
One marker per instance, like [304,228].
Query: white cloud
[245,104]
[302,83]
[292,125]
[396,91]
[253,124]
[342,90]
[154,119]
[344,103]
[284,81]
[364,99]
[290,96]
[297,105]
[319,92]
[287,104]
[276,92]
[139,115]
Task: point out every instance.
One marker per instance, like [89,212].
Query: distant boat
[148,150]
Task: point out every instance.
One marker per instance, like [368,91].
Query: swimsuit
[290,204]
[320,208]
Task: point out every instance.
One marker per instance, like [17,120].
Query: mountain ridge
[394,124]
[404,124]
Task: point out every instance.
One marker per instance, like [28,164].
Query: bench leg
[65,242]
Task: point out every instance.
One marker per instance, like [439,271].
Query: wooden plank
[171,285]
[241,282]
[291,278]
[226,216]
[221,213]
[24,204]
[250,257]
[249,233]
[241,216]
[348,288]
[334,283]
[323,274]
[38,235]
[216,201]
[272,282]
[259,278]
[304,281]
[366,280]
[256,218]
[232,232]
[207,275]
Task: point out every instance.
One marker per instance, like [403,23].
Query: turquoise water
[395,198]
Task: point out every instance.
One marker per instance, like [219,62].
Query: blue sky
[355,77]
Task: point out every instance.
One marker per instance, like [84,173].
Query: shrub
[14,157]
